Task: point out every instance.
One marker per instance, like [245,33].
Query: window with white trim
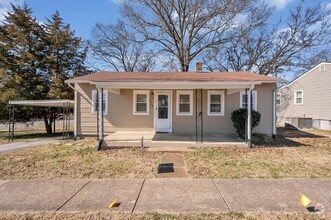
[184,102]
[298,97]
[95,102]
[215,103]
[278,98]
[244,98]
[141,102]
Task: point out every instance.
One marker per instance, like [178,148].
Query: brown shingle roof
[174,77]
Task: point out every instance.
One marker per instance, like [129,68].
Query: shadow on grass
[296,133]
[286,137]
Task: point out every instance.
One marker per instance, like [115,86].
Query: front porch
[171,140]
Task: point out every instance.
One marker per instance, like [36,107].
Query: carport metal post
[11,124]
[53,114]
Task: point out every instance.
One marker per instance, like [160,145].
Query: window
[141,102]
[298,97]
[244,97]
[184,102]
[216,103]
[95,102]
[278,98]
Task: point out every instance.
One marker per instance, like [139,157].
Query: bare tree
[183,28]
[115,46]
[273,50]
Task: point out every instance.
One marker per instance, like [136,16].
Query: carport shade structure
[65,104]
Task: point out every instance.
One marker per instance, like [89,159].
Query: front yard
[293,154]
[77,159]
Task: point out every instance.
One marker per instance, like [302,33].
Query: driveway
[19,145]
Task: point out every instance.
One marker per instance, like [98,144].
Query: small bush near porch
[77,159]
[293,154]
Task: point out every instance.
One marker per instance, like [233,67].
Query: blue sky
[83,14]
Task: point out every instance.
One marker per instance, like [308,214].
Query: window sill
[184,114]
[140,113]
[215,114]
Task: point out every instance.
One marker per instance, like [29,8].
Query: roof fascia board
[174,85]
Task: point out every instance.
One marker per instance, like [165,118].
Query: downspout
[249,116]
[100,116]
[75,110]
[274,124]
[196,116]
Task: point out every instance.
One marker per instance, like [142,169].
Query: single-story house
[176,102]
[305,102]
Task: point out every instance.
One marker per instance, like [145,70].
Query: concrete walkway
[172,166]
[164,195]
[19,145]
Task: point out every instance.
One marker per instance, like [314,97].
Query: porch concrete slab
[274,194]
[37,195]
[175,146]
[180,196]
[98,194]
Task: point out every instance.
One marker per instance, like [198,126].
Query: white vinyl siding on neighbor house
[243,100]
[322,67]
[141,102]
[184,104]
[298,97]
[95,102]
[215,106]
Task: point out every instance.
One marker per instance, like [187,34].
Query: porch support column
[249,117]
[100,117]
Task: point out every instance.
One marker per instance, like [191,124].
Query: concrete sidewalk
[164,195]
[19,145]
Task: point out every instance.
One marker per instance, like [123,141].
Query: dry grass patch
[299,154]
[152,216]
[77,161]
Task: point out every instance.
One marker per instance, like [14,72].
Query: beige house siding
[120,112]
[316,87]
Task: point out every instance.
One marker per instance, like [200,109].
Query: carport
[62,105]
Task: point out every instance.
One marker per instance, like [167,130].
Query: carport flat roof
[45,103]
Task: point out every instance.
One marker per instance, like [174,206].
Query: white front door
[162,111]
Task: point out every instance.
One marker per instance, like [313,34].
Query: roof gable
[304,74]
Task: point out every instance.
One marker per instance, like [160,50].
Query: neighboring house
[177,102]
[306,101]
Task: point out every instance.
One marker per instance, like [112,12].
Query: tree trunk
[184,67]
[48,123]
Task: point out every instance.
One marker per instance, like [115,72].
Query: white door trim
[168,92]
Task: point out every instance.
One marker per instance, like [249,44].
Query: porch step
[170,149]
